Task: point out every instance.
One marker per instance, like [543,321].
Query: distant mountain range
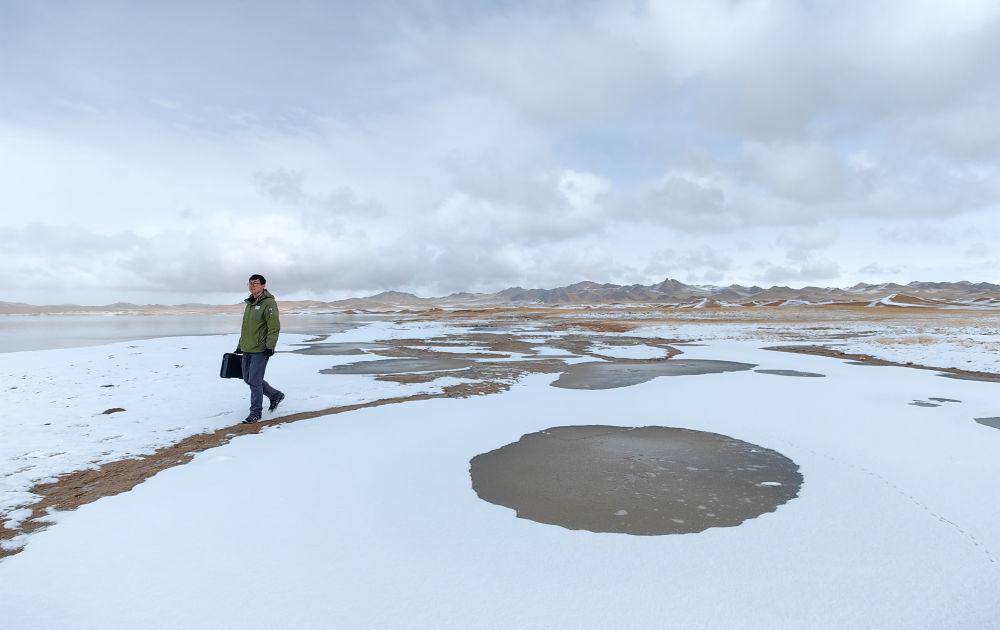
[667,293]
[674,292]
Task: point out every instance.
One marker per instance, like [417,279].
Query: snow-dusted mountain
[674,292]
[668,292]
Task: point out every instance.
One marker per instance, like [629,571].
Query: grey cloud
[771,71]
[807,271]
[67,243]
[282,185]
[698,264]
[880,270]
[985,270]
[967,132]
[499,181]
[339,211]
[558,68]
[810,173]
[71,256]
[706,257]
[781,69]
[683,202]
[978,250]
[918,234]
[502,203]
[810,238]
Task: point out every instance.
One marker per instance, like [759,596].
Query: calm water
[41,332]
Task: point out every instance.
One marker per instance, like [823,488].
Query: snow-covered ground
[54,400]
[975,348]
[969,351]
[368,519]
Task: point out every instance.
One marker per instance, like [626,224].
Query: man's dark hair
[257,276]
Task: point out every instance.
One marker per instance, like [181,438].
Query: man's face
[256,288]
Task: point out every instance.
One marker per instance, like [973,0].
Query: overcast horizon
[162,153]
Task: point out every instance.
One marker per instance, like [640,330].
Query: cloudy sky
[162,152]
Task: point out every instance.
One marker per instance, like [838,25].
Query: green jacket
[260,324]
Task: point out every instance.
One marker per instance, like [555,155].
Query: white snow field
[368,519]
[974,348]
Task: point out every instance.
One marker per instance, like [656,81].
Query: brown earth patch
[600,325]
[407,379]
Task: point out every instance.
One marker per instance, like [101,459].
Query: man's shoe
[251,419]
[275,402]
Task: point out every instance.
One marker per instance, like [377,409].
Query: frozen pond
[790,373]
[42,332]
[604,375]
[635,480]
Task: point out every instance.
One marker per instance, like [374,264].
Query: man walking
[258,337]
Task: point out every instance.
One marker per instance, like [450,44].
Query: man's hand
[269,352]
[237,350]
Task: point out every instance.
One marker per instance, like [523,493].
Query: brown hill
[669,292]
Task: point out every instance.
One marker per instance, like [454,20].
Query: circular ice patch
[644,481]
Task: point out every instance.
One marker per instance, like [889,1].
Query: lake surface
[45,332]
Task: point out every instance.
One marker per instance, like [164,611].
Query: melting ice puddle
[642,481]
[609,375]
[791,373]
[339,348]
[394,366]
[989,422]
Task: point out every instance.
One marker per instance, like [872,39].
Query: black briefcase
[232,366]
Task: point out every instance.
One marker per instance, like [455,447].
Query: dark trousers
[254,364]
